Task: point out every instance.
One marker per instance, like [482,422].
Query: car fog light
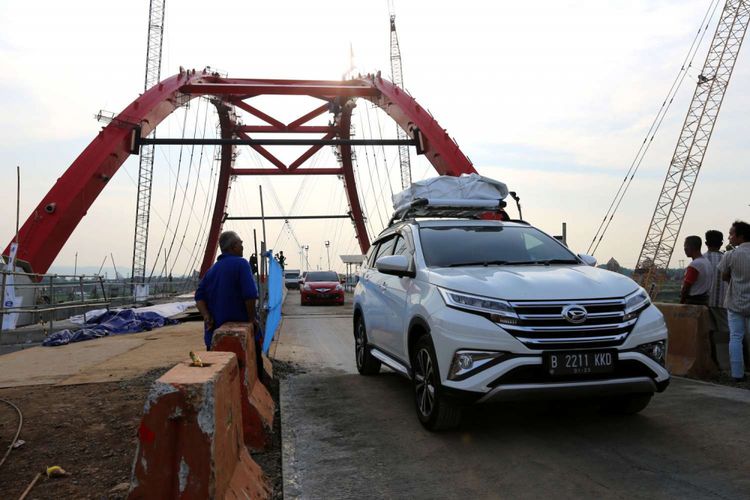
[467,362]
[655,350]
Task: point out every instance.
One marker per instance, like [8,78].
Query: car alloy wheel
[360,343]
[424,377]
[367,364]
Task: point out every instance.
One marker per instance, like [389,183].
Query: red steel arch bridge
[48,227]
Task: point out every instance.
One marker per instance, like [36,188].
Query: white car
[474,311]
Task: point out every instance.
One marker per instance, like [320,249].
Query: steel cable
[653,129]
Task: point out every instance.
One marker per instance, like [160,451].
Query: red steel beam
[307,154]
[344,124]
[309,116]
[227,125]
[303,129]
[260,114]
[264,152]
[299,171]
[441,151]
[254,89]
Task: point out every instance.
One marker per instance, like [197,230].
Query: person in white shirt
[699,274]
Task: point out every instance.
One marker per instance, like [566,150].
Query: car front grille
[542,325]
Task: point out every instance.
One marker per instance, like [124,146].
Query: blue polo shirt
[225,288]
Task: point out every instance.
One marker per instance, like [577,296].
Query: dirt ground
[90,431]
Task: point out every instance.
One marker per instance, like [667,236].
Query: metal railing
[54,297]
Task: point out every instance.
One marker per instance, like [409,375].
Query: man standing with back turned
[227,292]
[735,269]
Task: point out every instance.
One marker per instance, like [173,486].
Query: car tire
[627,404]
[434,411]
[367,364]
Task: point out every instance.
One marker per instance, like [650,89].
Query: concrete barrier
[257,404]
[190,442]
[689,352]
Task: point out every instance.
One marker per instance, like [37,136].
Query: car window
[370,259]
[384,248]
[401,247]
[446,246]
[321,276]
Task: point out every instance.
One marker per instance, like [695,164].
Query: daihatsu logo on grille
[574,314]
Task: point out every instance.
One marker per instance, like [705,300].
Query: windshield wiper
[545,262]
[484,263]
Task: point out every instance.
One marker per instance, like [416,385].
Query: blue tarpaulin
[110,323]
[273,317]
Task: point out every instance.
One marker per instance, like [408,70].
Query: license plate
[580,362]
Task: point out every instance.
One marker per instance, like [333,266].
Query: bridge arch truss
[48,227]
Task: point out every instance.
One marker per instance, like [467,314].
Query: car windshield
[291,276]
[322,276]
[456,246]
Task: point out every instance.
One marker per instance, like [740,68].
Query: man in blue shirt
[227,292]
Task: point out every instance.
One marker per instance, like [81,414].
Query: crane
[398,78]
[687,159]
[146,160]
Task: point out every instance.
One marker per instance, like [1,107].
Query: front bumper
[521,373]
[331,298]
[573,390]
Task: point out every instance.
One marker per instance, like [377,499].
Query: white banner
[10,319]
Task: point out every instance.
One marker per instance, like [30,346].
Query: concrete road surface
[348,436]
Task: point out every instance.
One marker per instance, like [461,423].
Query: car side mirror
[589,260]
[396,265]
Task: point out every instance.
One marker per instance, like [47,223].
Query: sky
[553,98]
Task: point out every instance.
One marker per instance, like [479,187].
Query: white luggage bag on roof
[446,191]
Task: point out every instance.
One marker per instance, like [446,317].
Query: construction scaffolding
[146,163]
[687,160]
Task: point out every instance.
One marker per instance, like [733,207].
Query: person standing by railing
[227,292]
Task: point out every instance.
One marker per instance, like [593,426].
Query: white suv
[484,310]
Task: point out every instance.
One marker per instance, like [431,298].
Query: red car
[321,287]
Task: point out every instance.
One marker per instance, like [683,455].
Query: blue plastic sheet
[273,317]
[110,323]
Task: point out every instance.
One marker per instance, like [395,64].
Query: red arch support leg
[227,122]
[349,182]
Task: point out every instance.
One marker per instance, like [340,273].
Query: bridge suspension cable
[654,128]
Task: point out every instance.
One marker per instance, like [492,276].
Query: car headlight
[339,287]
[307,287]
[496,310]
[635,303]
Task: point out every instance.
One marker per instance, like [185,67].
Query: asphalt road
[348,436]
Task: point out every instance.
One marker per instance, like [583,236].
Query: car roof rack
[447,208]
